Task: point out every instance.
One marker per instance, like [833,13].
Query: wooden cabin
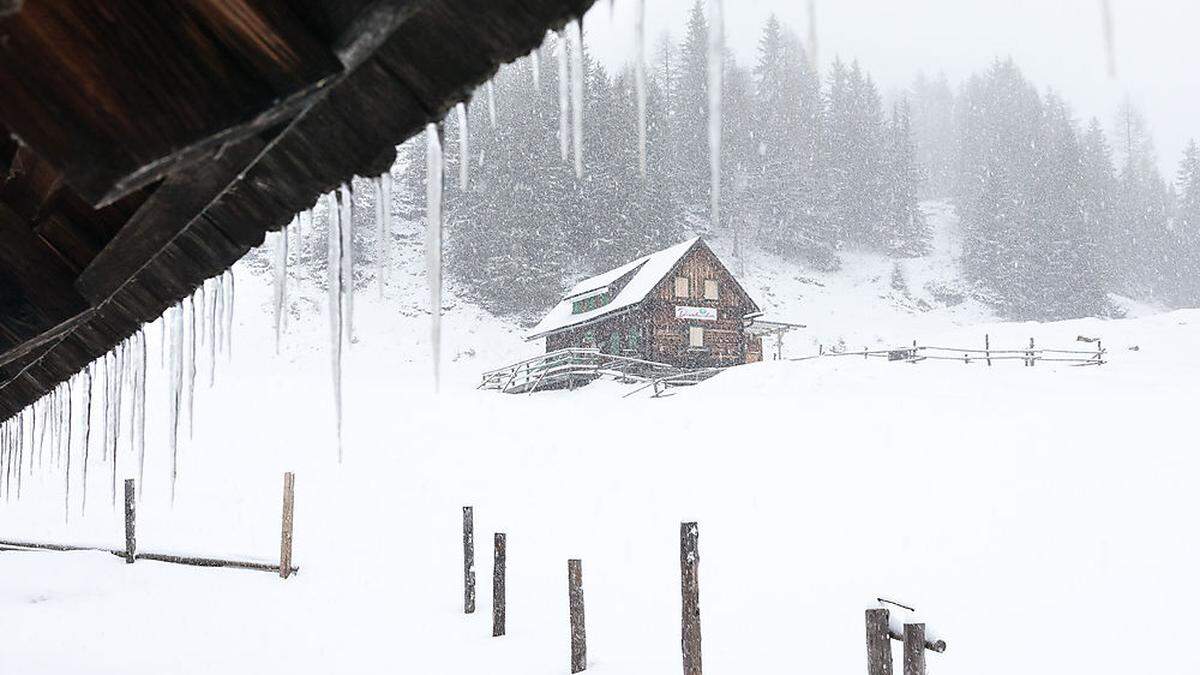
[680,306]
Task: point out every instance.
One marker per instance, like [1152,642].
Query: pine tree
[689,113]
[908,232]
[933,122]
[1187,228]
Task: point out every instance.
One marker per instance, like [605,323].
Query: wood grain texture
[689,582]
[122,265]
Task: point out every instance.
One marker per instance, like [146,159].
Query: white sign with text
[701,313]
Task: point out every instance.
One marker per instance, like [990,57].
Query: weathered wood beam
[167,213]
[117,93]
[36,291]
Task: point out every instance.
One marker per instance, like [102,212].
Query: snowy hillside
[1047,498]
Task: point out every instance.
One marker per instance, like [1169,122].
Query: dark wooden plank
[578,625]
[37,287]
[163,216]
[117,93]
[689,581]
[879,646]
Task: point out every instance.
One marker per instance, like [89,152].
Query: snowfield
[1041,518]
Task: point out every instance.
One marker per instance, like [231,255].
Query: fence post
[1032,359]
[468,527]
[689,578]
[1099,351]
[285,541]
[578,629]
[130,523]
[879,649]
[987,347]
[914,649]
[498,586]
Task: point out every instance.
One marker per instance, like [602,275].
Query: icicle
[1109,39]
[576,28]
[176,393]
[336,296]
[564,106]
[491,93]
[70,432]
[715,66]
[433,197]
[347,230]
[280,269]
[639,78]
[115,406]
[89,400]
[229,288]
[190,372]
[162,341]
[381,235]
[385,197]
[535,65]
[139,401]
[213,323]
[464,146]
[814,55]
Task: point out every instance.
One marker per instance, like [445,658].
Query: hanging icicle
[190,371]
[139,401]
[464,146]
[564,106]
[814,53]
[576,28]
[381,235]
[175,392]
[716,27]
[535,66]
[433,197]
[214,322]
[639,78]
[280,264]
[491,94]
[1106,17]
[336,333]
[346,195]
[230,288]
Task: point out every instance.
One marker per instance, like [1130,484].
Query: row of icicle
[204,320]
[55,432]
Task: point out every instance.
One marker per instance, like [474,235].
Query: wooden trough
[146,146]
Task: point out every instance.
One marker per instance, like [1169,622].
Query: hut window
[681,287]
[614,343]
[588,304]
[631,340]
[695,336]
[710,289]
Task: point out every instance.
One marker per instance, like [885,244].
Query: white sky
[1057,43]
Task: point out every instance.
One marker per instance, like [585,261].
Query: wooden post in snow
[914,649]
[285,540]
[468,559]
[689,579]
[1032,359]
[879,649]
[130,523]
[987,347]
[498,586]
[578,628]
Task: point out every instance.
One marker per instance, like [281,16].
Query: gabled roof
[630,283]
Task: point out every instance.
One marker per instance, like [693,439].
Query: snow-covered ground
[1027,512]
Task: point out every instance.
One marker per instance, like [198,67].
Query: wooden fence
[572,367]
[881,627]
[130,554]
[1029,356]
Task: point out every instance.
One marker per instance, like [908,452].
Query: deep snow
[1029,513]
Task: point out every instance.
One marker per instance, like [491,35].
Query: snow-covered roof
[647,272]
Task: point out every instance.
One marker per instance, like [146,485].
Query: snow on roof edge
[648,271]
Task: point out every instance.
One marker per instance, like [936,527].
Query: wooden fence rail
[130,554]
[1029,356]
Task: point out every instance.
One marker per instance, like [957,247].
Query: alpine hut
[680,306]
